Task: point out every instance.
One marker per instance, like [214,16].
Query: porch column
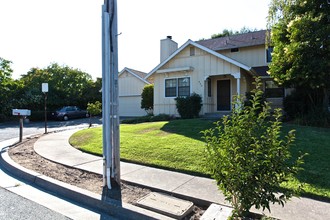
[237,76]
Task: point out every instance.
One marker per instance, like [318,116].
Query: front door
[223,95]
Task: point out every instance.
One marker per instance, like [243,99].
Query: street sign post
[21,113]
[44,89]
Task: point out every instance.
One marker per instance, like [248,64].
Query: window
[272,90]
[209,87]
[192,51]
[184,86]
[177,87]
[269,52]
[170,87]
[234,50]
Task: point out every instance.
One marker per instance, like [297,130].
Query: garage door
[130,106]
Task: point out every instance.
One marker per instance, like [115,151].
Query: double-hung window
[177,87]
[273,91]
[183,87]
[170,87]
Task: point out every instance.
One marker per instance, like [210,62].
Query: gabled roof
[197,45]
[138,74]
[235,41]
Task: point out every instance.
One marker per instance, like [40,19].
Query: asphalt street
[10,130]
[13,207]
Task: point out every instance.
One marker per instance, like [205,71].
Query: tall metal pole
[111,155]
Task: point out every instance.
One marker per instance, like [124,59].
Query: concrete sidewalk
[56,147]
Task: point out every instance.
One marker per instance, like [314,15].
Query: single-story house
[131,83]
[216,69]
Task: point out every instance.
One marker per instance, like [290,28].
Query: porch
[220,91]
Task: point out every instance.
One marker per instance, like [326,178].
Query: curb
[90,200]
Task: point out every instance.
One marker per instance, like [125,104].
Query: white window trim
[177,86]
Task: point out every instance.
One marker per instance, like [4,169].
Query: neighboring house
[131,83]
[216,69]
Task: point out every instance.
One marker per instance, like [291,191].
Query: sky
[36,33]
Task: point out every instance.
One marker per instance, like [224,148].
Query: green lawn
[177,145]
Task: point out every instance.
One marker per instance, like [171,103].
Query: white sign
[44,87]
[22,112]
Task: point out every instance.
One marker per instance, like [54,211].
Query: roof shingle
[139,73]
[235,41]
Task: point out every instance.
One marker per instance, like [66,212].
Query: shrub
[294,104]
[247,157]
[190,106]
[39,116]
[2,117]
[298,108]
[147,101]
[317,118]
[94,109]
[249,99]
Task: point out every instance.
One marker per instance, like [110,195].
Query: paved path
[56,147]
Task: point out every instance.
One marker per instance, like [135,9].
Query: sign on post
[22,112]
[44,87]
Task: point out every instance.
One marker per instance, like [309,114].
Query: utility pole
[111,155]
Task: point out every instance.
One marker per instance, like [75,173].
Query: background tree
[10,90]
[147,101]
[93,91]
[227,32]
[300,59]
[5,70]
[67,86]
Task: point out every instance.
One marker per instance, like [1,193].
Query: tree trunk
[326,99]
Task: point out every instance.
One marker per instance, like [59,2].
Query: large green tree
[10,90]
[5,70]
[300,34]
[67,86]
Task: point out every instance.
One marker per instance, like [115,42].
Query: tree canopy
[67,86]
[5,70]
[300,34]
[10,90]
[227,32]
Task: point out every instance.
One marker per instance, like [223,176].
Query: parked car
[69,112]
